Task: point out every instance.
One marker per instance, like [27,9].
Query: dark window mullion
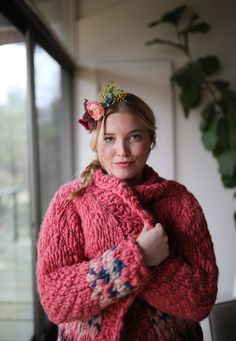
[24,17]
[34,179]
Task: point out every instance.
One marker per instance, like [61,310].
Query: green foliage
[172,17]
[201,27]
[194,79]
[190,79]
[209,65]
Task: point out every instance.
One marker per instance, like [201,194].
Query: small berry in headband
[95,110]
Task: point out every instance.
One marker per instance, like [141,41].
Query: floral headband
[95,110]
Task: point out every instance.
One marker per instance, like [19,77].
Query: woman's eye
[135,137]
[109,139]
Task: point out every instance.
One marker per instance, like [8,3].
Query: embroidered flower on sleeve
[106,278]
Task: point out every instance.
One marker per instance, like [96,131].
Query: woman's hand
[153,244]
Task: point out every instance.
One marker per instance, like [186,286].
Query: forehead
[123,121]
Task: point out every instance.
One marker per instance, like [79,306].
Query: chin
[125,176]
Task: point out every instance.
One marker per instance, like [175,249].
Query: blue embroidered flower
[105,278]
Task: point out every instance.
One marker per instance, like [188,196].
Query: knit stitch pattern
[90,271]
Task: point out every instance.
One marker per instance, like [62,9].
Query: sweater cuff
[138,272]
[117,272]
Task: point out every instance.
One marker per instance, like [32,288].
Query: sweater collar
[151,188]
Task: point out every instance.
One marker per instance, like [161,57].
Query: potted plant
[199,87]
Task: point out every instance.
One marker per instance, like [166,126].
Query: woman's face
[125,147]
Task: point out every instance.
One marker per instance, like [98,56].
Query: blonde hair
[132,104]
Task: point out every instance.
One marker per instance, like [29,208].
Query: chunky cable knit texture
[91,277]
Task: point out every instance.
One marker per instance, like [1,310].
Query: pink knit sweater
[91,277]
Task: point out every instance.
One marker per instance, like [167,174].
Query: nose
[122,148]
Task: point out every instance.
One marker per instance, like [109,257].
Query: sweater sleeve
[185,284]
[71,287]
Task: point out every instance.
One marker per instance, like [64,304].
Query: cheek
[143,150]
[106,152]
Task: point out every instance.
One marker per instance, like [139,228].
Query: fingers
[161,233]
[157,230]
[159,227]
[153,243]
[145,228]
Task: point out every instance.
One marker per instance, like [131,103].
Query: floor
[16,301]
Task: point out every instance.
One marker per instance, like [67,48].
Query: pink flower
[95,109]
[88,122]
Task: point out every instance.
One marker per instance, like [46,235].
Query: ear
[150,148]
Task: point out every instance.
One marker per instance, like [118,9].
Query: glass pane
[58,15]
[52,105]
[16,292]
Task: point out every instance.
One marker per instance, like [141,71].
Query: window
[36,157]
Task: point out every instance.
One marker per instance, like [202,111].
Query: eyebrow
[130,132]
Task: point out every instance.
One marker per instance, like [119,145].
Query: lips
[124,164]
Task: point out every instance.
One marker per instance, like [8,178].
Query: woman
[124,254]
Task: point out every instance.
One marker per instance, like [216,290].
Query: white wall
[118,34]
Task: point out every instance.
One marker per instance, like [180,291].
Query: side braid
[86,177]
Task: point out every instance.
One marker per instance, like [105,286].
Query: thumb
[145,228]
